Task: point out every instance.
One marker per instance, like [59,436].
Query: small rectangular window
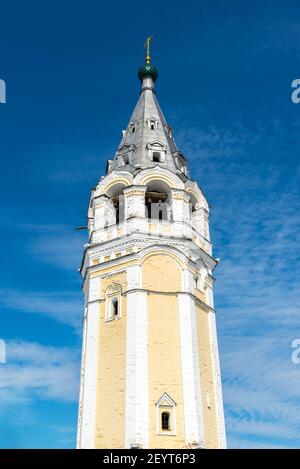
[156,156]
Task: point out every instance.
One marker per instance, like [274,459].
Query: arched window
[157,205]
[115,194]
[113,302]
[193,208]
[165,421]
[157,201]
[115,307]
[166,415]
[117,209]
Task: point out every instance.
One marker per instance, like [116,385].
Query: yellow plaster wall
[206,377]
[110,400]
[160,272]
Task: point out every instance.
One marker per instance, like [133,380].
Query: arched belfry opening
[157,201]
[192,205]
[115,194]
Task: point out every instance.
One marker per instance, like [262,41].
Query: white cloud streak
[34,370]
[64,307]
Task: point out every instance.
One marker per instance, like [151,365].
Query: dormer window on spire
[125,159]
[132,127]
[156,152]
[152,123]
[124,155]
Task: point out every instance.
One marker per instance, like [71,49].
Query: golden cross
[147,45]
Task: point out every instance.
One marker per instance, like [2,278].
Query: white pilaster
[216,369]
[134,202]
[192,402]
[200,220]
[180,205]
[105,214]
[136,401]
[87,417]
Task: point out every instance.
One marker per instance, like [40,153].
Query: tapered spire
[148,140]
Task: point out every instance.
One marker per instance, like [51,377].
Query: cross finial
[147,46]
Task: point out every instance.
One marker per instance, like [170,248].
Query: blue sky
[225,84]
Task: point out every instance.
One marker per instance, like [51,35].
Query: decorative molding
[135,191]
[145,176]
[166,397]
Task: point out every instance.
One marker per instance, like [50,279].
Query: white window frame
[157,147]
[166,404]
[114,292]
[132,127]
[150,121]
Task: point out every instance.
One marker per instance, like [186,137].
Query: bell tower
[150,375]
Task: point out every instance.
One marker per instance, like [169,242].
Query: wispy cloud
[56,244]
[64,307]
[62,248]
[34,370]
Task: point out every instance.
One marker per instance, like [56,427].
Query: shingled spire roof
[148,140]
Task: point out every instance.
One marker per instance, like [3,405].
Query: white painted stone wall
[200,221]
[136,400]
[86,436]
[104,212]
[192,403]
[216,368]
[177,205]
[134,201]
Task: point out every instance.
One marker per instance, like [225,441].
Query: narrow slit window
[117,214]
[165,421]
[115,308]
